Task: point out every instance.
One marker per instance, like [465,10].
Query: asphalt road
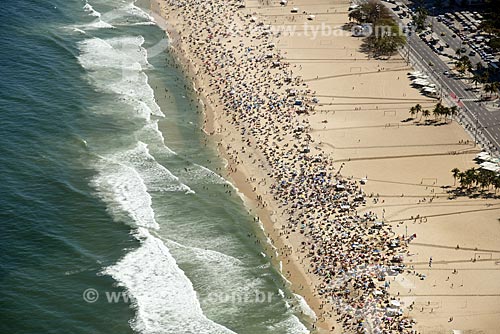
[456,90]
[455,43]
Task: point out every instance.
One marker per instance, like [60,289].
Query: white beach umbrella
[395,303]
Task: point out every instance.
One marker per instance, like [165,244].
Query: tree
[420,18]
[496,183]
[455,171]
[413,111]
[495,87]
[386,39]
[471,177]
[453,111]
[418,108]
[489,88]
[370,12]
[426,113]
[438,111]
[476,79]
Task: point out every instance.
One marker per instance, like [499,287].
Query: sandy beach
[354,198]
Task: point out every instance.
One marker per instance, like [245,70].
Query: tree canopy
[387,36]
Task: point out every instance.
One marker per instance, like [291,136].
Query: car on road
[446,73]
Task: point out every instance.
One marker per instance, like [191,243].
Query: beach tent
[295,10]
[311,17]
[421,82]
[283,2]
[483,156]
[490,166]
[429,90]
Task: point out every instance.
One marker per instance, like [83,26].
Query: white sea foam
[164,298]
[125,193]
[147,23]
[155,137]
[124,53]
[207,255]
[96,24]
[136,11]
[199,174]
[124,181]
[290,325]
[79,31]
[128,14]
[90,10]
[305,308]
[155,175]
[116,65]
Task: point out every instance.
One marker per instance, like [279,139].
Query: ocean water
[113,216]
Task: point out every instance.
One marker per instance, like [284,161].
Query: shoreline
[299,283]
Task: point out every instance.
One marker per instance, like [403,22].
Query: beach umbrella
[395,303]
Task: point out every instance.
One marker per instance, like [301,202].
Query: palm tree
[488,88]
[413,111]
[495,86]
[439,110]
[426,113]
[418,109]
[471,177]
[476,78]
[455,171]
[496,183]
[462,179]
[453,111]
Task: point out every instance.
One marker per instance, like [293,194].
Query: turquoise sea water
[107,187]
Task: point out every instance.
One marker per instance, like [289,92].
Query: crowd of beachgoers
[354,256]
